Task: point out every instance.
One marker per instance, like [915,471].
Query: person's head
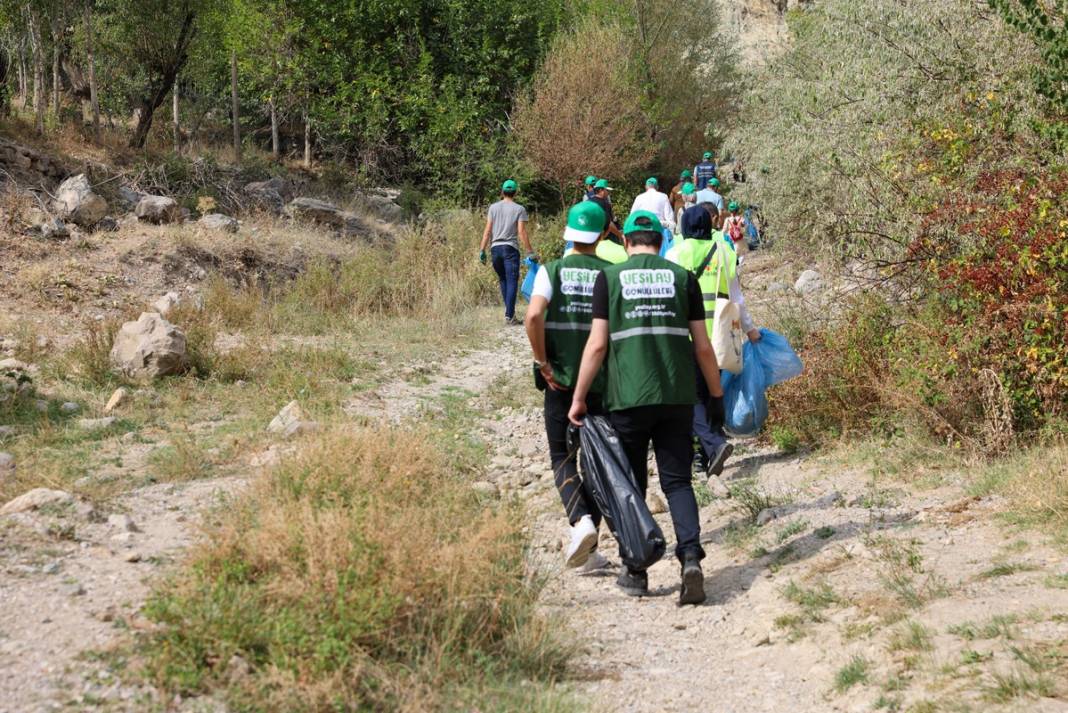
[586,223]
[696,223]
[734,208]
[642,230]
[689,192]
[651,184]
[601,188]
[707,156]
[713,183]
[590,180]
[509,188]
[686,175]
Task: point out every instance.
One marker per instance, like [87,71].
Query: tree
[585,116]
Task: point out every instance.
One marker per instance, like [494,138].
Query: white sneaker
[596,563]
[583,540]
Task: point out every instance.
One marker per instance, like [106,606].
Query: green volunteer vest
[692,253]
[569,316]
[650,356]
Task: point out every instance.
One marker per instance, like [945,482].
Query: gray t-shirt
[504,217]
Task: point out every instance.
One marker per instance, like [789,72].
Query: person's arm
[524,240]
[592,358]
[668,218]
[738,298]
[535,326]
[615,230]
[486,235]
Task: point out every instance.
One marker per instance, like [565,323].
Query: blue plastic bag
[528,282]
[766,363]
[668,242]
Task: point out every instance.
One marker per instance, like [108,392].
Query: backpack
[736,229]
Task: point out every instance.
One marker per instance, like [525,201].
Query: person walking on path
[694,251]
[558,323]
[677,202]
[704,171]
[587,187]
[734,227]
[655,202]
[710,194]
[689,200]
[651,312]
[601,189]
[506,228]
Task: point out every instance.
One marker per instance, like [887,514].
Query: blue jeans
[506,264]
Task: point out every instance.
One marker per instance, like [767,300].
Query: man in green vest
[558,323]
[649,324]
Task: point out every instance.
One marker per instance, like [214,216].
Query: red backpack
[736,228]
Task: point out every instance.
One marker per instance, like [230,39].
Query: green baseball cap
[733,206]
[585,222]
[590,180]
[603,183]
[708,155]
[509,186]
[686,174]
[641,221]
[714,182]
[688,189]
[651,181]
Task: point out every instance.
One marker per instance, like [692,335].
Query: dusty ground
[935,602]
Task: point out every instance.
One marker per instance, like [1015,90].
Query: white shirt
[543,286]
[658,204]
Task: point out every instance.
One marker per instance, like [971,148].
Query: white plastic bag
[728,337]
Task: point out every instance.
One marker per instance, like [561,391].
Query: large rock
[218,221]
[159,209]
[36,498]
[808,282]
[76,203]
[271,194]
[380,206]
[129,197]
[149,348]
[345,222]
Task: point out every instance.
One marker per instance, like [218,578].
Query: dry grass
[350,578]
[1036,484]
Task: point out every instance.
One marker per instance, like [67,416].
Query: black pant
[578,501]
[709,433]
[668,427]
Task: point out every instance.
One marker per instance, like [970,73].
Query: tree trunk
[5,105]
[57,36]
[157,91]
[94,101]
[175,126]
[22,77]
[307,140]
[234,106]
[38,70]
[275,149]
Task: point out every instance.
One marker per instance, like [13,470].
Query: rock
[41,405]
[218,221]
[166,303]
[380,206]
[270,457]
[158,210]
[149,348]
[123,538]
[76,203]
[271,194]
[485,488]
[96,424]
[14,365]
[316,211]
[122,522]
[291,413]
[808,282]
[132,557]
[717,487]
[72,589]
[829,500]
[107,224]
[7,463]
[54,229]
[656,503]
[300,428]
[36,498]
[7,432]
[69,407]
[51,568]
[777,287]
[129,197]
[117,397]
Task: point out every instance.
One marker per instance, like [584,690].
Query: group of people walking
[622,326]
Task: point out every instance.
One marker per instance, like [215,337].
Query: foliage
[1047,25]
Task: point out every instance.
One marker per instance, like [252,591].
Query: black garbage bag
[607,476]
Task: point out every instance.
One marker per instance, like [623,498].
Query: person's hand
[754,335]
[482,256]
[577,412]
[533,257]
[716,414]
[547,374]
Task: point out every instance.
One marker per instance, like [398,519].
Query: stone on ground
[158,210]
[808,282]
[655,503]
[116,399]
[77,203]
[7,463]
[486,488]
[36,498]
[149,348]
[54,229]
[122,522]
[69,407]
[218,221]
[96,424]
[271,194]
[166,303]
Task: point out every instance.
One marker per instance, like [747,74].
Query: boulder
[158,210]
[54,229]
[218,221]
[349,224]
[149,348]
[291,413]
[36,498]
[129,197]
[380,206]
[808,282]
[166,303]
[76,203]
[271,194]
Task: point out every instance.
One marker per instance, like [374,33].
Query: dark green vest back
[569,316]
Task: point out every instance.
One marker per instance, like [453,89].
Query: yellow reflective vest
[691,253]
